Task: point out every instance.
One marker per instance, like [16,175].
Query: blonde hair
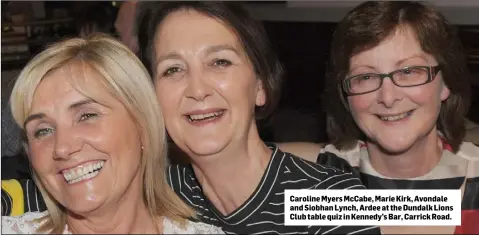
[124,77]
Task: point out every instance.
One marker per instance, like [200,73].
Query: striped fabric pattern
[21,196]
[263,212]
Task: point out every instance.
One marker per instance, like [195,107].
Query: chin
[204,148]
[83,202]
[82,208]
[394,147]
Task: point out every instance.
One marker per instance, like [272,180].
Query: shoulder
[472,132]
[327,176]
[306,150]
[171,227]
[20,196]
[332,155]
[469,151]
[334,160]
[23,224]
[330,158]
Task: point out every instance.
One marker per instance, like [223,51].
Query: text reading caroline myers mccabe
[372,207]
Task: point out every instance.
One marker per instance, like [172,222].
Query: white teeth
[84,177]
[395,118]
[197,117]
[82,172]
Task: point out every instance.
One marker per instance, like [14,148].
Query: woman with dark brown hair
[215,74]
[397,97]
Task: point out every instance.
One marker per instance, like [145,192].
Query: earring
[142,147]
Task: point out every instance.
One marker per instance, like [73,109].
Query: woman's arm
[306,150]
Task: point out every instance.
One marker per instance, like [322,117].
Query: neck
[230,177]
[416,161]
[129,215]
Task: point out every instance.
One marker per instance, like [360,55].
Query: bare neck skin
[417,161]
[231,176]
[129,215]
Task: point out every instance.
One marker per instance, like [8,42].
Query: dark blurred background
[299,31]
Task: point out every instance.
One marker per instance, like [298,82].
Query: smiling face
[397,117]
[86,151]
[205,83]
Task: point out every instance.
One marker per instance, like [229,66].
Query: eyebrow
[421,56]
[208,50]
[223,47]
[172,55]
[33,117]
[73,106]
[81,103]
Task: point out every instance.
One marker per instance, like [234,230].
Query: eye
[364,77]
[42,132]
[222,63]
[406,71]
[361,78]
[171,71]
[87,116]
[411,71]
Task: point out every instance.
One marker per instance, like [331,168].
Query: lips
[83,172]
[204,115]
[395,117]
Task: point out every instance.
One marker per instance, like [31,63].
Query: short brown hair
[365,27]
[250,33]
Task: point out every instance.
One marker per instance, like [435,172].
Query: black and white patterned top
[11,132]
[263,212]
[458,170]
[21,196]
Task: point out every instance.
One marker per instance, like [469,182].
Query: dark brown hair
[364,28]
[250,33]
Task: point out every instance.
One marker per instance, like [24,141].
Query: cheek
[231,91]
[238,85]
[169,98]
[41,156]
[360,103]
[425,95]
[224,82]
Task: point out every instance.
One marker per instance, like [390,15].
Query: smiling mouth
[393,118]
[205,116]
[83,172]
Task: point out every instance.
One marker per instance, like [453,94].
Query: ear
[260,93]
[445,92]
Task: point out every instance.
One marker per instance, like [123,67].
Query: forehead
[190,30]
[401,45]
[73,79]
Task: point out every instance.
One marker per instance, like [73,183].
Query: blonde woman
[95,138]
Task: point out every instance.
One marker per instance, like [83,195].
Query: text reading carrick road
[372,207]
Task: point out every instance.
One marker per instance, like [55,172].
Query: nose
[198,87]
[66,143]
[389,93]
